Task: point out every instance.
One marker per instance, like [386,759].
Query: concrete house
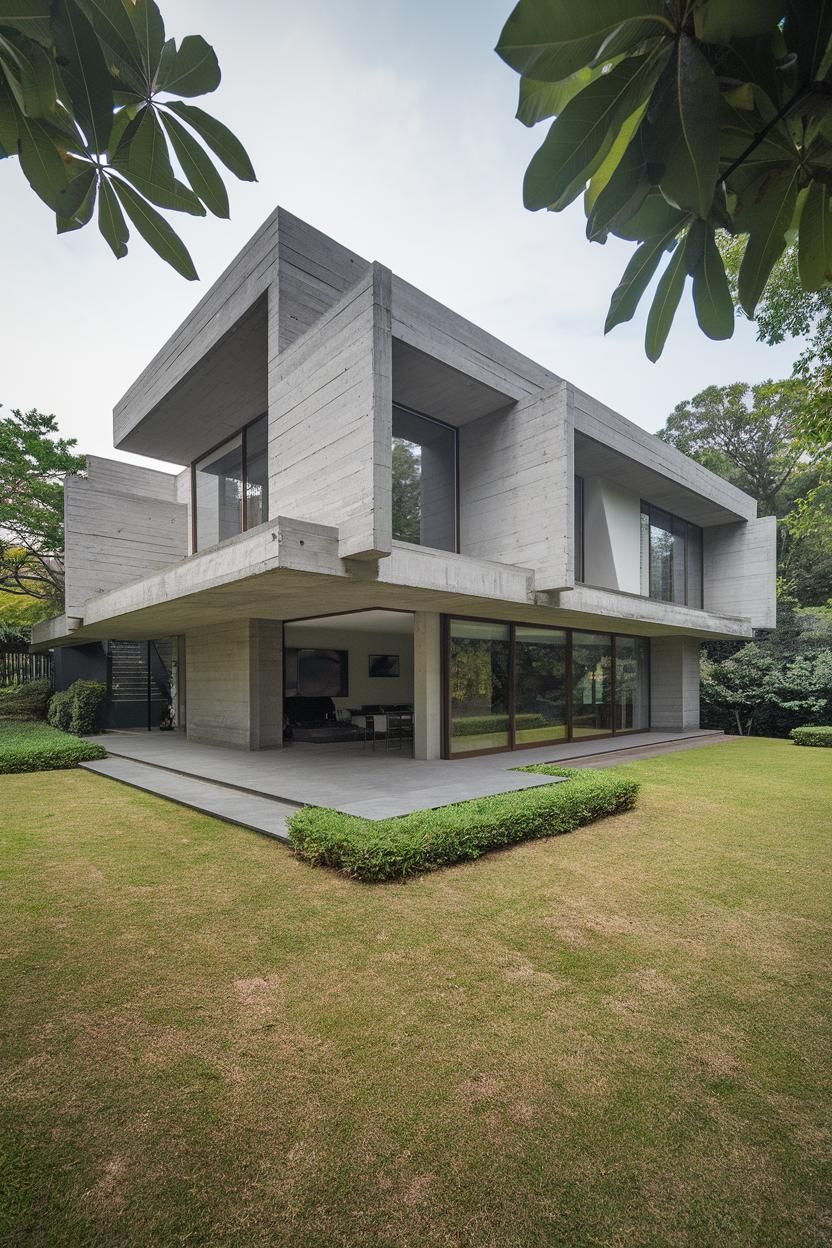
[390,524]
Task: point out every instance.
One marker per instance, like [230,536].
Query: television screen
[384,665]
[317,673]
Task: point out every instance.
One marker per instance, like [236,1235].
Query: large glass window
[478,680]
[539,684]
[231,486]
[579,528]
[671,557]
[632,684]
[591,684]
[424,480]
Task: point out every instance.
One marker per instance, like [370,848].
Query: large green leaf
[637,275]
[144,151]
[111,22]
[684,135]
[722,21]
[111,221]
[808,30]
[218,137]
[155,230]
[550,39]
[766,213]
[176,196]
[711,293]
[197,167]
[81,179]
[539,100]
[192,69]
[665,302]
[38,77]
[30,17]
[815,240]
[83,213]
[654,215]
[149,30]
[740,127]
[42,165]
[85,72]
[8,120]
[581,136]
[625,191]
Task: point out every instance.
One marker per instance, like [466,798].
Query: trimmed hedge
[388,849]
[79,708]
[25,701]
[481,725]
[812,736]
[37,747]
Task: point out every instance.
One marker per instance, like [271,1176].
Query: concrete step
[262,814]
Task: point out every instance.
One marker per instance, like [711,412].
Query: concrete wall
[122,523]
[234,677]
[612,527]
[740,570]
[674,683]
[516,488]
[361,643]
[330,422]
[427,682]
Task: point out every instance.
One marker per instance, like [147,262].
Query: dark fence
[17,667]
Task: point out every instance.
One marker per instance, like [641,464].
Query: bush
[26,701]
[386,849]
[481,725]
[812,736]
[79,708]
[36,747]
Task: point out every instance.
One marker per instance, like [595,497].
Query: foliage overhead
[675,119]
[33,463]
[88,103]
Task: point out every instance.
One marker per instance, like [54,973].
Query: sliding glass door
[513,686]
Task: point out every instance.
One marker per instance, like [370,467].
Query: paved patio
[260,789]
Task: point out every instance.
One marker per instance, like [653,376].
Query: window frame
[243,435]
[579,529]
[453,429]
[647,509]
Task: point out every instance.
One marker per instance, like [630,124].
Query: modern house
[390,519]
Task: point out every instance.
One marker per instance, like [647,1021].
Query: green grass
[615,1038]
[389,849]
[32,746]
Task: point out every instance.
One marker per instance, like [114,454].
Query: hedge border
[388,849]
[820,734]
[31,746]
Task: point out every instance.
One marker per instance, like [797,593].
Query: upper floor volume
[312,387]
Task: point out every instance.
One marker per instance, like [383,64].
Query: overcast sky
[390,126]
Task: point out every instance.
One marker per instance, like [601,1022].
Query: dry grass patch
[619,1037]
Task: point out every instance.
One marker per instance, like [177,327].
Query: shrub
[26,701]
[386,849]
[812,736]
[36,747]
[481,725]
[79,708]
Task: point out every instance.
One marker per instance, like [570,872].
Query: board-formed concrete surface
[355,779]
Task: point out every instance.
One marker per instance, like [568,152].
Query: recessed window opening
[671,557]
[230,486]
[424,480]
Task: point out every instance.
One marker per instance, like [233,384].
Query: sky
[390,126]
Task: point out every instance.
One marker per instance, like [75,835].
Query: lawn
[616,1037]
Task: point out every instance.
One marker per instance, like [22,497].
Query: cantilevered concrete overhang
[290,569]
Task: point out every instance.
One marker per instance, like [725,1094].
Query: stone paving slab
[263,814]
[359,781]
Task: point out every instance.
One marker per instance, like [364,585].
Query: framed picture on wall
[384,665]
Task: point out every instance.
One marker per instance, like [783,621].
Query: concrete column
[674,683]
[427,685]
[235,684]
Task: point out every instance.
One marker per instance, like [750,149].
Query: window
[579,528]
[230,486]
[671,557]
[424,480]
[511,686]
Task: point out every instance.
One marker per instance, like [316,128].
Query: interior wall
[363,688]
[612,520]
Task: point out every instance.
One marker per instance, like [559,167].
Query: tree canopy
[676,119]
[33,463]
[92,103]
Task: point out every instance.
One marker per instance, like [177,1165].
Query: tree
[33,463]
[407,492]
[745,433]
[89,104]
[756,690]
[677,118]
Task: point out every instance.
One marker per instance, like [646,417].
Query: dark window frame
[579,517]
[646,509]
[243,435]
[443,424]
[514,745]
